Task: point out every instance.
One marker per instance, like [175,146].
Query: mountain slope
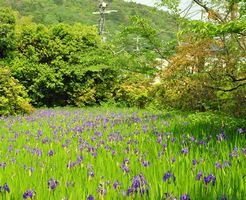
[72,11]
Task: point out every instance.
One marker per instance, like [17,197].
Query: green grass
[138,135]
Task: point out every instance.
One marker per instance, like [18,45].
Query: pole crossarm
[102,11]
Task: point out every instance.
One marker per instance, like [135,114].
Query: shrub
[133,91]
[13,97]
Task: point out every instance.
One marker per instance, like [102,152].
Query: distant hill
[73,11]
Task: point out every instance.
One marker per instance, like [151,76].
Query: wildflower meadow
[70,154]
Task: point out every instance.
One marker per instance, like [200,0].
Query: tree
[7,32]
[225,27]
[208,70]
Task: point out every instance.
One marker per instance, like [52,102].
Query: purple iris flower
[168,175]
[227,163]
[80,159]
[218,165]
[222,198]
[94,154]
[10,148]
[221,137]
[145,163]
[210,178]
[185,197]
[71,165]
[234,153]
[29,194]
[51,153]
[116,185]
[3,165]
[126,161]
[136,151]
[38,152]
[40,132]
[125,168]
[101,189]
[240,130]
[167,195]
[31,169]
[192,138]
[129,191]
[136,183]
[90,197]
[201,142]
[184,151]
[199,175]
[139,185]
[45,140]
[91,174]
[68,141]
[52,184]
[5,187]
[194,162]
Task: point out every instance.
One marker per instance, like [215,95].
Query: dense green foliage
[13,96]
[69,64]
[61,63]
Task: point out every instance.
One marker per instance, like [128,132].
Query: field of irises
[106,154]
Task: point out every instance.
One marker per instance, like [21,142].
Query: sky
[146,2]
[184,4]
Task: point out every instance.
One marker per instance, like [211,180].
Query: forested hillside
[74,11]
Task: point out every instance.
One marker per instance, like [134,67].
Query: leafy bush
[233,103]
[186,94]
[13,97]
[133,91]
[94,87]
[63,65]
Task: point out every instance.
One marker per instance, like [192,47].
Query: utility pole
[101,22]
[137,43]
